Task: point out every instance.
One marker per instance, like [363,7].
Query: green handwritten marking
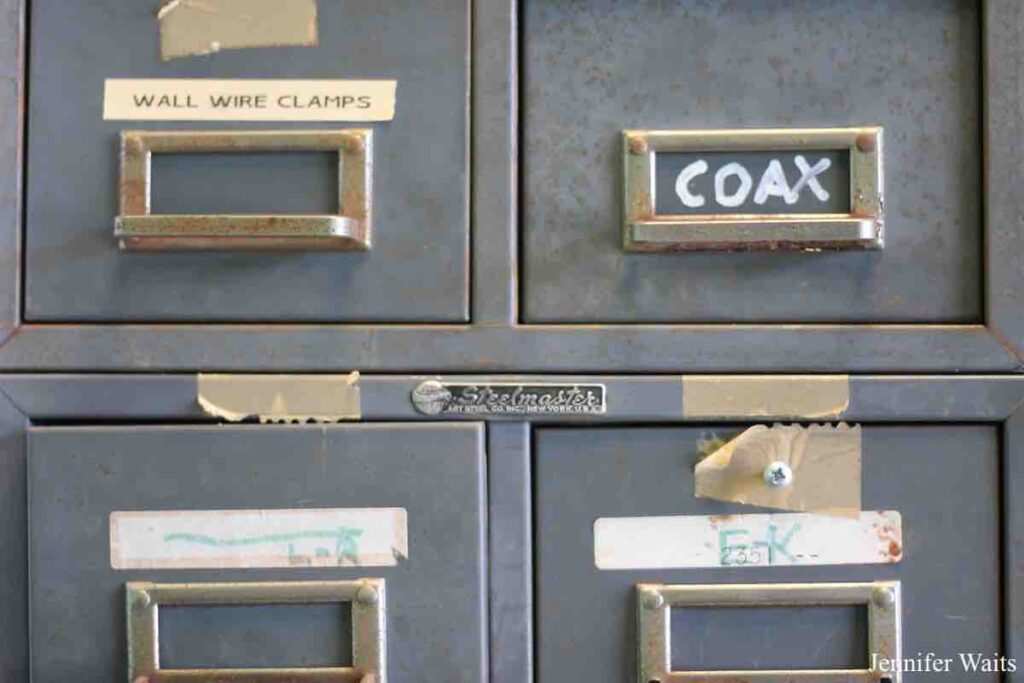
[729,551]
[774,545]
[732,553]
[346,541]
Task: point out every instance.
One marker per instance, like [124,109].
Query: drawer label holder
[747,190]
[435,398]
[656,602]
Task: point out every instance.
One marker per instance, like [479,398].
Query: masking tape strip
[281,398]
[825,463]
[781,397]
[212,99]
[201,27]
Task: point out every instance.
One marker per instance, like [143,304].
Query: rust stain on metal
[866,142]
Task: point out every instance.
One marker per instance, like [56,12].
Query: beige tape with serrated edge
[812,397]
[281,398]
[825,463]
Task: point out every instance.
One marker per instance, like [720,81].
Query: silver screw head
[778,474]
[367,595]
[885,598]
[143,600]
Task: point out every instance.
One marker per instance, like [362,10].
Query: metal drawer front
[943,480]
[96,491]
[598,71]
[316,260]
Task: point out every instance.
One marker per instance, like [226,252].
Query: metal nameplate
[441,398]
[731,190]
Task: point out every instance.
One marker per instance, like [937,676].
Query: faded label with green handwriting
[762,540]
[243,539]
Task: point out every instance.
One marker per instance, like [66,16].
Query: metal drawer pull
[369,652]
[695,190]
[137,230]
[655,602]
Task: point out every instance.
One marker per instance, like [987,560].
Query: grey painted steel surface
[511,552]
[12,89]
[1004,118]
[593,69]
[945,480]
[993,344]
[437,608]
[1013,537]
[276,636]
[643,349]
[495,162]
[74,270]
[14,561]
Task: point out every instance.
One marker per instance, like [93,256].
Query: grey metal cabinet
[434,618]
[500,301]
[418,168]
[945,481]
[499,207]
[501,582]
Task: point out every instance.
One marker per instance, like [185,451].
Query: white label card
[704,542]
[244,539]
[169,99]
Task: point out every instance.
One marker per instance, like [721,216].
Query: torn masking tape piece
[201,27]
[787,467]
[281,398]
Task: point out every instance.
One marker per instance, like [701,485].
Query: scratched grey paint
[436,601]
[944,479]
[669,165]
[595,68]
[74,270]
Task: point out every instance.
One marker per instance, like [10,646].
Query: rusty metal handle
[136,229]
